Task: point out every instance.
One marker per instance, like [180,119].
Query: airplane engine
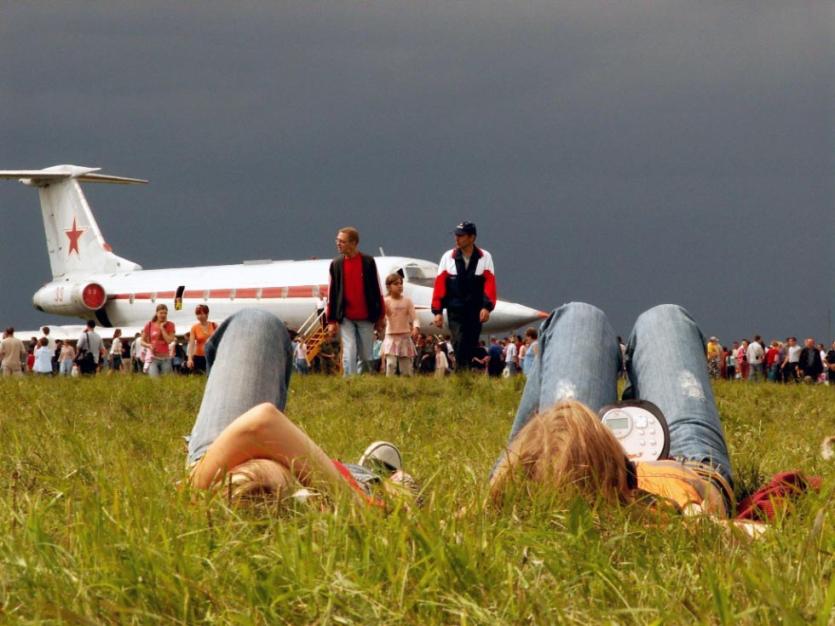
[70,298]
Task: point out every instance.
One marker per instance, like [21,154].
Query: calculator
[640,427]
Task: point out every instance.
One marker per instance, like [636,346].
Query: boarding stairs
[313,332]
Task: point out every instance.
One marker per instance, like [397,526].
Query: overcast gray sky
[620,153]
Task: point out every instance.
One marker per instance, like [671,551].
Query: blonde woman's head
[259,478]
[567,449]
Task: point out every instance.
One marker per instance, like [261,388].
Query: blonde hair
[566,449]
[258,479]
[352,233]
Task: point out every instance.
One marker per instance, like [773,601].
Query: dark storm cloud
[620,153]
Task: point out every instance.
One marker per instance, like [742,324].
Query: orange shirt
[684,485]
[201,336]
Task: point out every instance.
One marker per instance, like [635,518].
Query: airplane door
[178,298]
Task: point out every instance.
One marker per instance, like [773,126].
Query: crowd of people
[432,355]
[776,361]
[155,351]
[419,353]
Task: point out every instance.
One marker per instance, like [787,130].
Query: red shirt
[354,289]
[771,356]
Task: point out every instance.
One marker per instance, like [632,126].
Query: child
[66,359]
[441,361]
[401,320]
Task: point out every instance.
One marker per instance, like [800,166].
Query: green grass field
[93,530]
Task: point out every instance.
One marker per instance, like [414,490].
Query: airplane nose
[510,315]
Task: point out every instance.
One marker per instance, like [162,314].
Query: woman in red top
[157,336]
[198,337]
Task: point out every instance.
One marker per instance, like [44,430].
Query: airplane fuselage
[292,290]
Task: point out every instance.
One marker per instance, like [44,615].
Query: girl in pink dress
[401,325]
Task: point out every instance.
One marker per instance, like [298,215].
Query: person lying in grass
[242,439]
[559,441]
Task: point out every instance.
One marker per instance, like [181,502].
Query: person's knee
[260,419]
[581,312]
[663,313]
[256,318]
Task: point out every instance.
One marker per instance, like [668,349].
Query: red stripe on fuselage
[293,291]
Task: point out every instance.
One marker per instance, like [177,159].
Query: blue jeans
[579,358]
[159,367]
[249,357]
[357,342]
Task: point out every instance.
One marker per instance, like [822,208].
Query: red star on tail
[74,235]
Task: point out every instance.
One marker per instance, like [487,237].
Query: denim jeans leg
[348,333]
[365,344]
[667,366]
[578,359]
[250,357]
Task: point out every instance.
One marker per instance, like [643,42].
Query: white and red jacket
[464,289]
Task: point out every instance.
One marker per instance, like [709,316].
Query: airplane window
[420,275]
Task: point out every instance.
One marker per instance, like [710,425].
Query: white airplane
[89,281]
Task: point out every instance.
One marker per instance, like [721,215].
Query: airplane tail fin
[73,238]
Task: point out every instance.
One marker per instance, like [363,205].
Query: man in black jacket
[810,363]
[466,287]
[355,302]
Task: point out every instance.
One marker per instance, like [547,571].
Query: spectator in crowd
[178,352]
[822,350]
[531,350]
[30,354]
[425,354]
[12,354]
[772,361]
[755,356]
[66,359]
[136,351]
[51,344]
[328,356]
[830,364]
[730,361]
[198,336]
[466,287]
[56,355]
[480,359]
[496,364]
[511,353]
[300,355]
[116,351]
[402,325]
[157,336]
[43,358]
[790,363]
[742,360]
[809,363]
[714,357]
[355,302]
[450,351]
[441,361]
[90,348]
